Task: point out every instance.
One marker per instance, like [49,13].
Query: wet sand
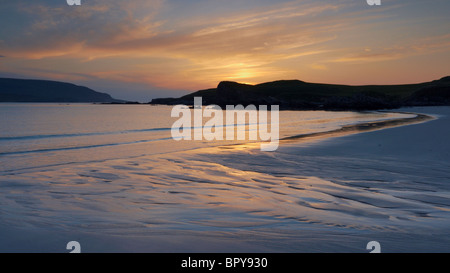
[330,192]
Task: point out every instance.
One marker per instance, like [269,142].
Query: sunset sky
[142,49]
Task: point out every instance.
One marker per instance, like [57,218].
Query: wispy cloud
[426,45]
[94,33]
[168,44]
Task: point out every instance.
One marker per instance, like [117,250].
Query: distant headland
[299,95]
[21,90]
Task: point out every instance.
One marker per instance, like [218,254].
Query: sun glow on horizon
[145,48]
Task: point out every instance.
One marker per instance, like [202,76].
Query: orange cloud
[145,42]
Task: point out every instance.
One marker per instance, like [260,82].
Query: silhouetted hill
[18,90]
[295,94]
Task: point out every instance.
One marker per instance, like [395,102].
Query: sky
[144,49]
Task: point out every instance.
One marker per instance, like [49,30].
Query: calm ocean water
[37,135]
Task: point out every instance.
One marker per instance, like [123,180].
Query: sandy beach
[329,193]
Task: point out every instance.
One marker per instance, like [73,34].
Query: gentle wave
[85,147]
[32,137]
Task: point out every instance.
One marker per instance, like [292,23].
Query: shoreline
[343,131]
[367,126]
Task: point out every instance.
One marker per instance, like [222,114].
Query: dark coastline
[298,95]
[44,91]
